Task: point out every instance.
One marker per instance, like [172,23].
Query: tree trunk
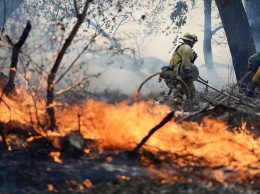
[9,87]
[207,47]
[55,68]
[253,13]
[238,33]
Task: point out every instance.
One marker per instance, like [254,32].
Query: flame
[56,157]
[51,188]
[87,183]
[121,126]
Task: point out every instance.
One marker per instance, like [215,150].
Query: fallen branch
[194,113]
[147,79]
[152,131]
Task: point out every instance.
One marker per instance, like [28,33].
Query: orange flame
[122,126]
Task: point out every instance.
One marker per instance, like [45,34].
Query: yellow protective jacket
[254,63]
[183,54]
[256,78]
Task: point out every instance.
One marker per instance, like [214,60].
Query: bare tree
[51,78]
[108,20]
[9,87]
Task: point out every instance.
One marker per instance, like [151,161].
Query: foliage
[178,16]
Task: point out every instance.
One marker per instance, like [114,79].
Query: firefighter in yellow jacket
[253,65]
[182,61]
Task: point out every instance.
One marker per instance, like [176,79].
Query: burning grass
[207,149]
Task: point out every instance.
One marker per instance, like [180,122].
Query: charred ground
[27,167]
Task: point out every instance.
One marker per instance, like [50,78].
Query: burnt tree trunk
[9,87]
[238,32]
[55,68]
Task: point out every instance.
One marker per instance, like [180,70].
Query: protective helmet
[190,37]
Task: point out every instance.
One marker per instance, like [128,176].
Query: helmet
[190,37]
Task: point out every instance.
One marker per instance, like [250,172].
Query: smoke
[124,74]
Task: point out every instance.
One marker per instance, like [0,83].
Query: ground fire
[209,148]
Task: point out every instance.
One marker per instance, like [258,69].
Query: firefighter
[181,64]
[253,65]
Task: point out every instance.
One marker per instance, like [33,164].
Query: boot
[191,106]
[177,101]
[250,90]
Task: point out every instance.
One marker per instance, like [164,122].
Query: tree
[109,19]
[238,33]
[252,8]
[178,16]
[208,34]
[9,87]
[51,77]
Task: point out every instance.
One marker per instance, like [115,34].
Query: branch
[71,87]
[103,33]
[76,8]
[24,35]
[9,41]
[153,130]
[75,60]
[15,54]
[216,29]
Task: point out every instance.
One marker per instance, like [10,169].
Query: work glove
[187,74]
[195,57]
[160,77]
[250,90]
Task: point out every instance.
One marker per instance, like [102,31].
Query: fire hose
[200,80]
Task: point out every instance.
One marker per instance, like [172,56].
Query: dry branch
[16,50]
[55,68]
[152,131]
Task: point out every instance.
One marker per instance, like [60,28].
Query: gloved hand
[187,74]
[250,90]
[160,77]
[195,57]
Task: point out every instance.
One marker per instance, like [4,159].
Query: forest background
[96,46]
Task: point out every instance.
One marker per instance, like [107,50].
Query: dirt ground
[19,176]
